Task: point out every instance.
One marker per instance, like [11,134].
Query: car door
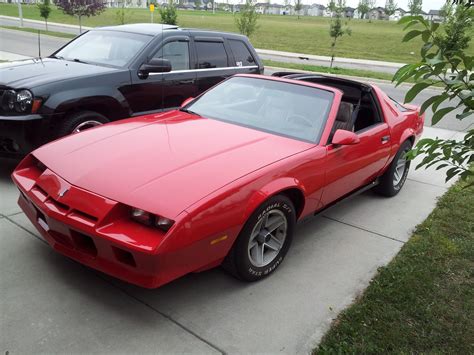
[159,91]
[350,167]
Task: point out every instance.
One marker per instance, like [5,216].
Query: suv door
[160,91]
[212,61]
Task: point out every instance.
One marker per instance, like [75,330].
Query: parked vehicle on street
[222,180]
[111,73]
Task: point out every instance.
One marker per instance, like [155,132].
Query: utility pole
[20,13]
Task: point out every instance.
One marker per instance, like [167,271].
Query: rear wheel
[392,181]
[264,241]
[80,121]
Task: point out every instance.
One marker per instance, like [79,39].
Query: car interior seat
[344,117]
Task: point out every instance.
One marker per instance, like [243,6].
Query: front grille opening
[124,256]
[84,243]
[39,193]
[61,238]
[83,217]
[58,206]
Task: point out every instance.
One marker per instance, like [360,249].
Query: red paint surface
[206,175]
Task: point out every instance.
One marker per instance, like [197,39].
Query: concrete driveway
[50,304]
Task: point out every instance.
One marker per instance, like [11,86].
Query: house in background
[377,13]
[316,10]
[435,16]
[397,15]
[349,12]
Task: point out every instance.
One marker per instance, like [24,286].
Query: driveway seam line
[13,214]
[182,326]
[186,329]
[26,230]
[364,229]
[427,183]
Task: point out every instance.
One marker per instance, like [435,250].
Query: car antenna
[39,46]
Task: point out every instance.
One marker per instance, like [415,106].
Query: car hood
[163,163]
[29,73]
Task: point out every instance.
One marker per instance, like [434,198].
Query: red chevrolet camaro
[222,180]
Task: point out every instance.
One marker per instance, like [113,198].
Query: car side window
[242,55]
[211,55]
[177,52]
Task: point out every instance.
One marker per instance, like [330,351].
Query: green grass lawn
[379,40]
[423,301]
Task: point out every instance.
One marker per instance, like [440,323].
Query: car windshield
[290,110]
[104,47]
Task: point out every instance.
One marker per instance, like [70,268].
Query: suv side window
[242,55]
[211,55]
[177,52]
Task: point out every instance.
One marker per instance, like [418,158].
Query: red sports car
[222,180]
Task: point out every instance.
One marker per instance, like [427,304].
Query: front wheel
[80,121]
[392,181]
[264,241]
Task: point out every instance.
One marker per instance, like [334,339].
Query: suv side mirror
[343,137]
[155,65]
[187,101]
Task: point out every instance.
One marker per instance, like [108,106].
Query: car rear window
[242,55]
[211,55]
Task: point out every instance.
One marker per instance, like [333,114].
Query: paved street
[51,304]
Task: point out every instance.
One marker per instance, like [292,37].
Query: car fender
[271,189]
[110,103]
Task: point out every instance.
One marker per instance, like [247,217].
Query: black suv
[111,73]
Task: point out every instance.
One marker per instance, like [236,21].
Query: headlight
[24,100]
[20,101]
[151,220]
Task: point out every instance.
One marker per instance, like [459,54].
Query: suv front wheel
[80,121]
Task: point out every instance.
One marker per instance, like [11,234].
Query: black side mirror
[155,65]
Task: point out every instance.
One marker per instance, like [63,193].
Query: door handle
[189,81]
[385,139]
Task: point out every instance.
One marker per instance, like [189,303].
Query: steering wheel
[300,120]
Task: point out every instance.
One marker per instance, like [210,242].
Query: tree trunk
[46,21]
[80,24]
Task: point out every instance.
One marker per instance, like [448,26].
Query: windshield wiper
[79,61]
[189,111]
[56,57]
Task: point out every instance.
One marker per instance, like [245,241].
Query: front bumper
[19,135]
[77,224]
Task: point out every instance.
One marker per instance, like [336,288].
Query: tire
[73,122]
[245,260]
[392,181]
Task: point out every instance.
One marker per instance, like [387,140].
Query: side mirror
[187,101]
[155,65]
[343,137]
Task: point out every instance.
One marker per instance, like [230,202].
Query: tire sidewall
[71,121]
[403,149]
[245,268]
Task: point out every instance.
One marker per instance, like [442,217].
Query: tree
[452,70]
[332,7]
[45,10]
[364,7]
[458,21]
[336,27]
[298,7]
[390,7]
[168,13]
[81,8]
[198,4]
[246,20]
[122,14]
[414,7]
